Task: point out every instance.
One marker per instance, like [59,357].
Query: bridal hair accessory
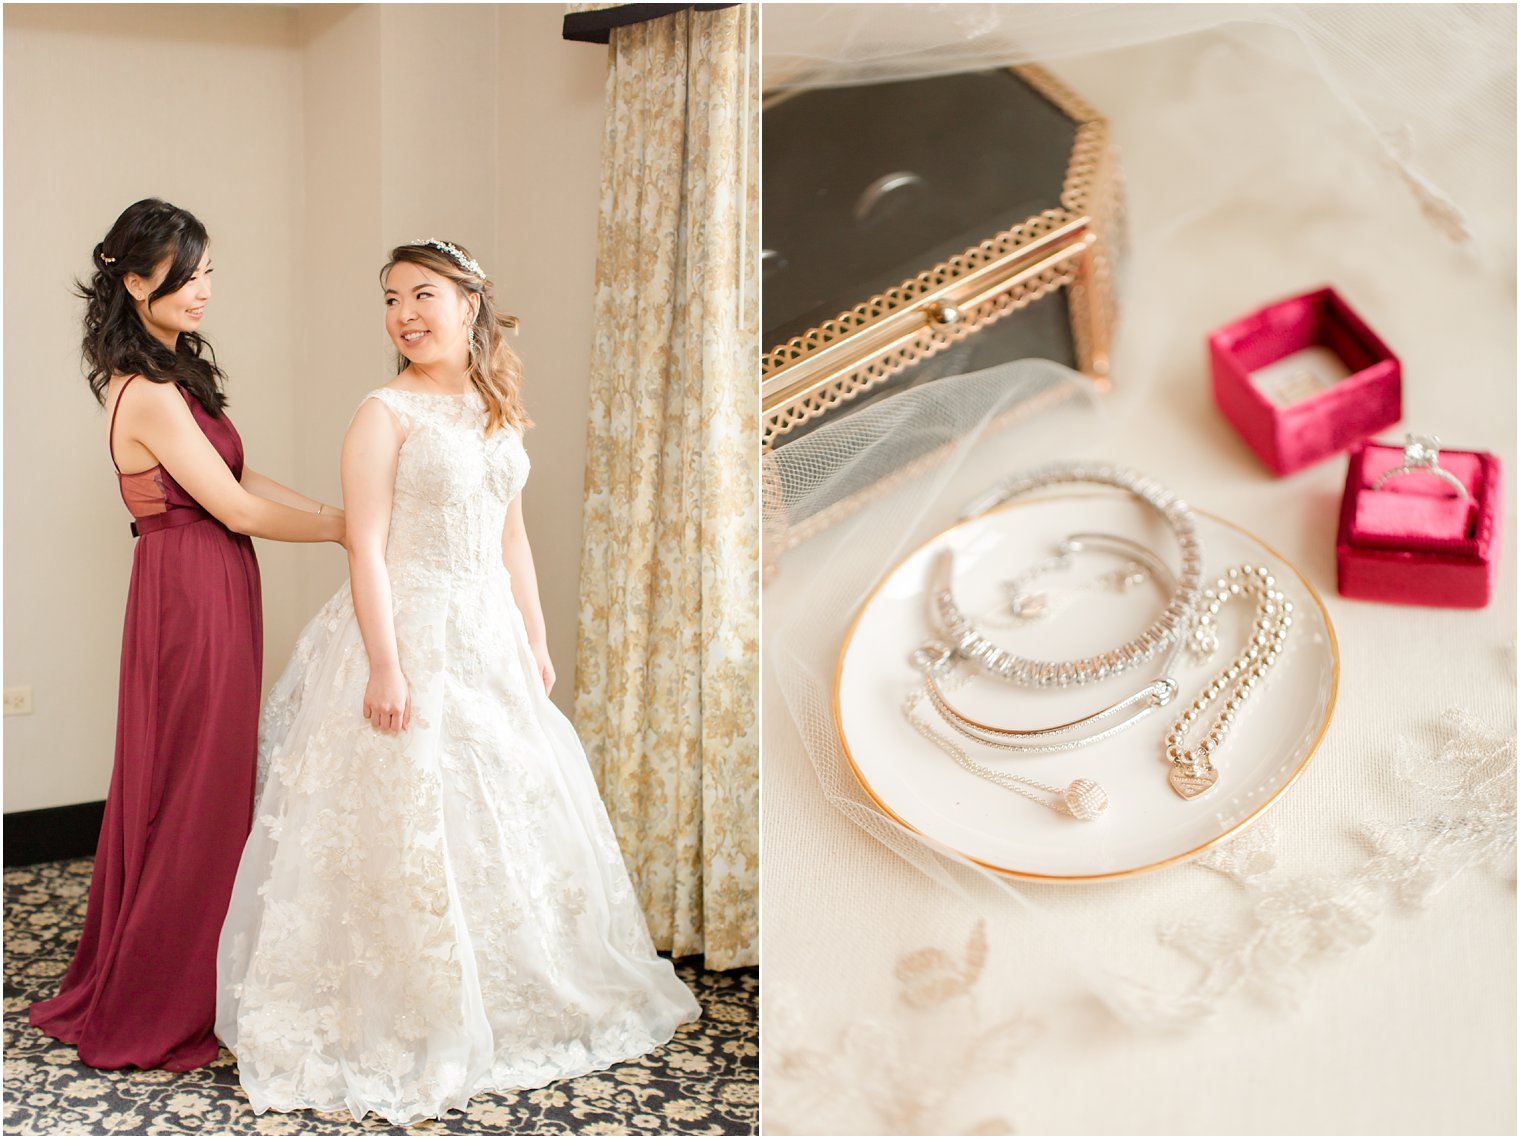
[467,263]
[970,645]
[106,260]
[1193,771]
[1421,455]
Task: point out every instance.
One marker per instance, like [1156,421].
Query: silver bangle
[968,643]
[933,658]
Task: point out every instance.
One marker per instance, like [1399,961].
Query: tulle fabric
[1431,86]
[855,496]
[425,915]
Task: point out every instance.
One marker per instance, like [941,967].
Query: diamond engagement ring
[1422,455]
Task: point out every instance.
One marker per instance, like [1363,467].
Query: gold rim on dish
[849,636]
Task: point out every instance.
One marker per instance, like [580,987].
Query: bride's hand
[545,666]
[387,703]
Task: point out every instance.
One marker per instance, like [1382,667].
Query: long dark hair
[115,340]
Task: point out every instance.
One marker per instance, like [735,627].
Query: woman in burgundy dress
[142,989]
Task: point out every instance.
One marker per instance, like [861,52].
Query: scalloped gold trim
[873,372]
[1058,93]
[800,381]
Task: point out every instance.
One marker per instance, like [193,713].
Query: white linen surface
[1248,179]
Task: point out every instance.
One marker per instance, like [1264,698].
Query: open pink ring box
[1304,378]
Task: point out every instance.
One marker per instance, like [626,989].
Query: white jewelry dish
[1147,826]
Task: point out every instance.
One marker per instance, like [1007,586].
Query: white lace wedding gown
[424,915]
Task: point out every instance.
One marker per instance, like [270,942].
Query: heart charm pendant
[1190,786]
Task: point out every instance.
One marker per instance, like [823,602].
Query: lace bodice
[453,487]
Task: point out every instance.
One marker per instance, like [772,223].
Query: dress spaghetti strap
[111,432]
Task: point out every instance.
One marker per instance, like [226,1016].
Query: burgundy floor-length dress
[142,989]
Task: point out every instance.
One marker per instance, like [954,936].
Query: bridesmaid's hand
[545,665]
[387,703]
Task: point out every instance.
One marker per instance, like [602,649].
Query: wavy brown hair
[495,369]
[115,340]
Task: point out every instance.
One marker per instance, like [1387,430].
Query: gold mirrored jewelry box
[977,215]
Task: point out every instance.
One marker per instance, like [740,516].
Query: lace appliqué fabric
[424,915]
[903,1071]
[1297,920]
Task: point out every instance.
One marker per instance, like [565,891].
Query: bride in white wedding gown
[432,903]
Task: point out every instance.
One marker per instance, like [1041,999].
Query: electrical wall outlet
[18,701]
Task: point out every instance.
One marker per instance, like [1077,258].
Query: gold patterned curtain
[667,652]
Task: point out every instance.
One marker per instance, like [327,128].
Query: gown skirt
[424,915]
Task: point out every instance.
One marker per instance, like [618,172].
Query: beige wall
[84,139]
[343,349]
[323,135]
[548,192]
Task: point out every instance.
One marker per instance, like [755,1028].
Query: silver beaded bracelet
[1192,769]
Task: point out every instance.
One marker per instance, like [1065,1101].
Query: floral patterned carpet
[704,1082]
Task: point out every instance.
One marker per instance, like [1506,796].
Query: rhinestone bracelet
[1082,799]
[968,643]
[934,659]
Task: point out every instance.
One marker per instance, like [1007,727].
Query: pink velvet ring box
[1415,541]
[1303,379]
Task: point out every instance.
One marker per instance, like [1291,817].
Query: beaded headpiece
[469,264]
